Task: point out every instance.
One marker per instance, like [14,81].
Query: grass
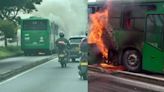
[9,51]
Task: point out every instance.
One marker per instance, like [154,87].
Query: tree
[9,18]
[9,29]
[9,9]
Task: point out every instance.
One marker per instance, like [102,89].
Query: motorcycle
[63,58]
[83,67]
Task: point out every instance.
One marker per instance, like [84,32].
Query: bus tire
[48,52]
[26,53]
[132,60]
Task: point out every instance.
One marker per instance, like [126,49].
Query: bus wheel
[48,52]
[26,53]
[132,60]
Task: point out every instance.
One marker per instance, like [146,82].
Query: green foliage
[9,18]
[9,28]
[9,8]
[10,51]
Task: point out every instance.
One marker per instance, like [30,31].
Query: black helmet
[86,33]
[61,34]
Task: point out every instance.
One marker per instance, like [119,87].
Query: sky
[70,15]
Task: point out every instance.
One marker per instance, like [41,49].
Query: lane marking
[29,70]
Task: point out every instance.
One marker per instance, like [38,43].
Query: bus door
[153,55]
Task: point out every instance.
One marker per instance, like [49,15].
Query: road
[12,63]
[49,77]
[99,82]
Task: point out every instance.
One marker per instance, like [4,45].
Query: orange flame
[104,65]
[100,33]
[109,68]
[98,25]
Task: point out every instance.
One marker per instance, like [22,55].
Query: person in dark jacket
[62,43]
[84,57]
[84,44]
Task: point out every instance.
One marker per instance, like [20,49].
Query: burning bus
[130,31]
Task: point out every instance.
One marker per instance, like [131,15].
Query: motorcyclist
[62,48]
[84,44]
[84,58]
[62,43]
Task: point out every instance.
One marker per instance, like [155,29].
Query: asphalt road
[12,63]
[49,77]
[98,82]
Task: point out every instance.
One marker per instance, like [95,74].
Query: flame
[98,25]
[100,33]
[111,68]
[104,65]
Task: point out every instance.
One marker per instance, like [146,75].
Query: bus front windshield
[155,30]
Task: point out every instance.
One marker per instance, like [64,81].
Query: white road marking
[29,70]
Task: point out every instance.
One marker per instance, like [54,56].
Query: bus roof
[35,18]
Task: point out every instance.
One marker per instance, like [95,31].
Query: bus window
[91,10]
[133,18]
[127,20]
[154,30]
[115,16]
[35,25]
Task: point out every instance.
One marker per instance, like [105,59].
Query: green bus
[138,32]
[37,36]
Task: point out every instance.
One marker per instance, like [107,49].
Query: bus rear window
[35,25]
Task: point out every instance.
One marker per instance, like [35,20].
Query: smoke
[70,15]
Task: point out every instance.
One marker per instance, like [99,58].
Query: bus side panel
[153,59]
[129,38]
[127,35]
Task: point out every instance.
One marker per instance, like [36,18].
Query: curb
[128,82]
[16,71]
